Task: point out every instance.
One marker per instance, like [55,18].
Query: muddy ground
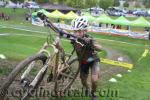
[106,71]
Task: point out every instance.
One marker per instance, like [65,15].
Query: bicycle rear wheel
[15,81]
[67,76]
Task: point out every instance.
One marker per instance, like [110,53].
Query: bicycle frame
[56,69]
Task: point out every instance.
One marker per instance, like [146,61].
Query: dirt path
[114,54]
[106,72]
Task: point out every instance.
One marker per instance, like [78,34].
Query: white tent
[11,5]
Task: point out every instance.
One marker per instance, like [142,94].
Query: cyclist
[87,54]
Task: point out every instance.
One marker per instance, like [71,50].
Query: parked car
[96,11]
[11,5]
[116,12]
[19,5]
[31,5]
[148,12]
[2,4]
[140,13]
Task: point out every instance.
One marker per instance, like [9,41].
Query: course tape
[144,54]
[117,63]
[95,38]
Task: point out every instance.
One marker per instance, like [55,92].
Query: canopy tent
[121,21]
[70,15]
[42,10]
[141,22]
[104,19]
[34,13]
[36,20]
[89,17]
[56,14]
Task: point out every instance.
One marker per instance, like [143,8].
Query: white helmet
[80,23]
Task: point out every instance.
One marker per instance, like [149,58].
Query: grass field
[132,86]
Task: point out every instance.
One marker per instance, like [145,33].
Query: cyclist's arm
[97,46]
[61,32]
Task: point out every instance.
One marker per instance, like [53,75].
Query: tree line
[89,3]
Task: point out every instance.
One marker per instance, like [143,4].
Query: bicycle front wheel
[18,79]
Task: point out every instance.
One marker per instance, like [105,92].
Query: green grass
[14,15]
[22,25]
[133,86]
[27,46]
[18,50]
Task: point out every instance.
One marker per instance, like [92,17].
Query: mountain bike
[50,65]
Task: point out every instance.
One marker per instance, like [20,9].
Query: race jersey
[86,52]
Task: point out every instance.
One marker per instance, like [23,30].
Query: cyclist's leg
[84,71]
[95,71]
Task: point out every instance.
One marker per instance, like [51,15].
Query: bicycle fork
[31,66]
[35,82]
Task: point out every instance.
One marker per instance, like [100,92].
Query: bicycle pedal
[25,82]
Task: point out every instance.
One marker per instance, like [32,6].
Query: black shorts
[84,68]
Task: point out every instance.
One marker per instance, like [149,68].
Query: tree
[137,5]
[116,3]
[61,1]
[75,3]
[15,1]
[126,4]
[106,3]
[146,3]
[42,1]
[70,3]
[93,3]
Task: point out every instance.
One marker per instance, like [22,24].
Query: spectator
[128,27]
[0,15]
[106,25]
[79,12]
[114,26]
[58,20]
[28,16]
[118,26]
[100,25]
[3,15]
[149,35]
[6,17]
[146,29]
[14,9]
